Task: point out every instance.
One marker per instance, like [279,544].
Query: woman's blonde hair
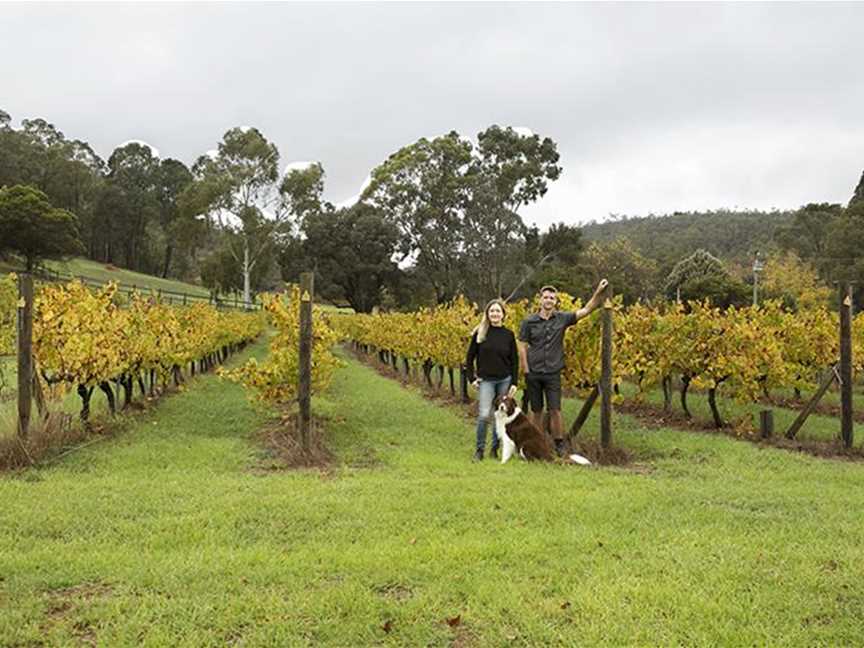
[483,327]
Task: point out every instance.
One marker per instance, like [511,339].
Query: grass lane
[170,535]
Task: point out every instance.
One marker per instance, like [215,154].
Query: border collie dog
[519,435]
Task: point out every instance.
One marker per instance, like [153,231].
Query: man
[541,356]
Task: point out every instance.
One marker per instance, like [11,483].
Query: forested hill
[732,235]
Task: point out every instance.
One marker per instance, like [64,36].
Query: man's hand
[476,383]
[597,297]
[596,300]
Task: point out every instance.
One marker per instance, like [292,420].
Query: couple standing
[539,353]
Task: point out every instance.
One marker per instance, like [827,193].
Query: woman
[493,346]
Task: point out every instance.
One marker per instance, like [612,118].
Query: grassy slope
[165,536]
[100,272]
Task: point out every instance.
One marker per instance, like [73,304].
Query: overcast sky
[654,107]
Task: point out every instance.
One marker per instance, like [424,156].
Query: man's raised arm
[595,302]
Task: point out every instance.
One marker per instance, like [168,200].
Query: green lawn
[817,427]
[173,534]
[103,273]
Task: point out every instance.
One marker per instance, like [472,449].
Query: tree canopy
[32,228]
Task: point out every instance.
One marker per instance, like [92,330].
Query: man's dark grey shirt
[545,339]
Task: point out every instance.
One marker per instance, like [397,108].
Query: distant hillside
[731,235]
[96,273]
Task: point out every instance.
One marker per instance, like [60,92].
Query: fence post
[846,429]
[606,372]
[25,352]
[307,284]
[766,424]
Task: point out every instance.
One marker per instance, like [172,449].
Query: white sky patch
[228,218]
[212,154]
[350,202]
[523,131]
[153,150]
[698,168]
[407,262]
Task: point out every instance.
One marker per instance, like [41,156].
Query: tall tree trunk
[169,249]
[247,275]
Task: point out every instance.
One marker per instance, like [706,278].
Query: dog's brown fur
[530,442]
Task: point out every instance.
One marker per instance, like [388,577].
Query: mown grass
[818,427]
[80,267]
[172,534]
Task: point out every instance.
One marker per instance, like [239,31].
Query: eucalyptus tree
[301,192]
[494,244]
[424,189]
[172,178]
[238,187]
[512,168]
[352,248]
[133,172]
[858,195]
[457,205]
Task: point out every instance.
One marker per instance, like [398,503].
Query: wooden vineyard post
[846,429]
[606,372]
[25,352]
[584,412]
[830,377]
[766,424]
[304,388]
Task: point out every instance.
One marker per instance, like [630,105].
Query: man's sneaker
[560,448]
[478,454]
[494,453]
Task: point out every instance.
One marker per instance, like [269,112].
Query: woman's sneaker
[478,454]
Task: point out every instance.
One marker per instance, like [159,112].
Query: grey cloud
[634,94]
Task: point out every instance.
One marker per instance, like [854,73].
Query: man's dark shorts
[540,384]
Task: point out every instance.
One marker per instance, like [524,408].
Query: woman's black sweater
[496,356]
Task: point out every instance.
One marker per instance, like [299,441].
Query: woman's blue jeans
[488,390]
